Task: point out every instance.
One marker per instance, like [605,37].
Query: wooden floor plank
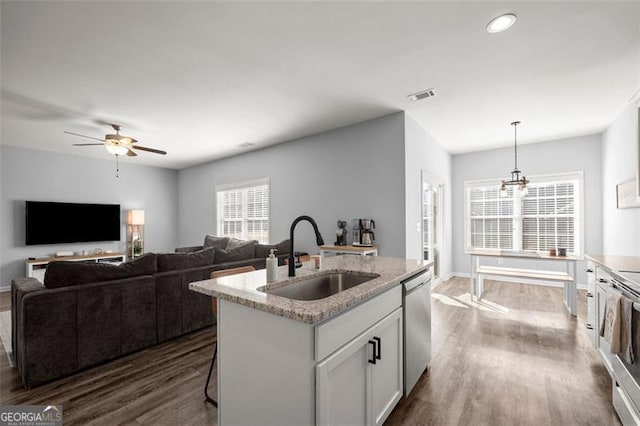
[516,357]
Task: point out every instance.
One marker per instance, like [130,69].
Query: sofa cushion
[217,242]
[247,251]
[174,261]
[147,264]
[283,247]
[66,273]
[235,243]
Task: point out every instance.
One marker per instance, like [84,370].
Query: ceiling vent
[429,93]
[246,145]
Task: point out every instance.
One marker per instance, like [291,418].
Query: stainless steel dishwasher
[417,327]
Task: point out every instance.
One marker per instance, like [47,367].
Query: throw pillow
[235,243]
[263,250]
[176,261]
[240,253]
[217,242]
[147,264]
[65,273]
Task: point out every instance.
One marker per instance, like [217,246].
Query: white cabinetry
[362,382]
[592,324]
[36,268]
[290,372]
[603,288]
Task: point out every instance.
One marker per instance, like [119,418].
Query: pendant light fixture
[515,173]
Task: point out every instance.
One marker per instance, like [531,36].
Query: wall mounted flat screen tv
[56,223]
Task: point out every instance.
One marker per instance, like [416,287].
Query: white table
[568,279]
[361,250]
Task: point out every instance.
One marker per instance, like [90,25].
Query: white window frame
[579,236]
[238,186]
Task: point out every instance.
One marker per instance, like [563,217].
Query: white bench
[532,274]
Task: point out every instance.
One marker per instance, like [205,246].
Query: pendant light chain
[515,137]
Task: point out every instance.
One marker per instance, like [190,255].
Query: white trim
[433,181]
[635,99]
[3,289]
[243,184]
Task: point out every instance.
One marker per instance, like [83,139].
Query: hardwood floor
[516,358]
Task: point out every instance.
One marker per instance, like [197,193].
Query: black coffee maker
[363,232]
[366,234]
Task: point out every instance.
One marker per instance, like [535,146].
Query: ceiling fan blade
[144,148]
[82,136]
[87,144]
[130,153]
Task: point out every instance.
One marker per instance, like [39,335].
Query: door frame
[434,181]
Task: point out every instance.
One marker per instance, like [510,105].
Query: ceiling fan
[117,144]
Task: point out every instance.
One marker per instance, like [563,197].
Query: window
[243,211]
[549,217]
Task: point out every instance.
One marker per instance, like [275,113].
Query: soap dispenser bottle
[272,267]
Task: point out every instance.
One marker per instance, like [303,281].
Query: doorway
[431,214]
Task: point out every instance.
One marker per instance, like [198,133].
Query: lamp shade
[135,217]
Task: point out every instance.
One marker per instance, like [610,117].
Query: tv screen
[56,223]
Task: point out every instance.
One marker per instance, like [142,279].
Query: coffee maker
[363,232]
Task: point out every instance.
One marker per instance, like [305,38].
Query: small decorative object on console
[341,233]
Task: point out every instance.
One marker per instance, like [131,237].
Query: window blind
[491,218]
[548,217]
[243,211]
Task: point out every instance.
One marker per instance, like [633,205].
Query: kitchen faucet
[319,240]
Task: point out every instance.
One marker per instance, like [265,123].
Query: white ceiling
[198,79]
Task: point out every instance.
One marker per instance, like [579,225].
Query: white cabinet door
[343,384]
[602,345]
[359,384]
[387,372]
[592,319]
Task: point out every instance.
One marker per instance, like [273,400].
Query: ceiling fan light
[116,149]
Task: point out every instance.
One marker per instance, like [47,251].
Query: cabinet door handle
[589,294]
[379,355]
[589,270]
[602,280]
[589,326]
[373,356]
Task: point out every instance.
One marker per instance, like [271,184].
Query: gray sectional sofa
[85,314]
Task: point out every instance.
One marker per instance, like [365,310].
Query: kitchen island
[333,360]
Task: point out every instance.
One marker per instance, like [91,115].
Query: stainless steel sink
[321,286]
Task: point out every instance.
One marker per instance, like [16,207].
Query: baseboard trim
[522,281]
[7,288]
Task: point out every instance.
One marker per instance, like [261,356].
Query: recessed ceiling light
[501,23]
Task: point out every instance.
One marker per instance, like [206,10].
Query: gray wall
[422,152]
[351,172]
[621,227]
[45,176]
[564,155]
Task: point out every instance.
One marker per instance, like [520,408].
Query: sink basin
[321,286]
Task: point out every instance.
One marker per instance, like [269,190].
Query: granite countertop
[243,288]
[617,263]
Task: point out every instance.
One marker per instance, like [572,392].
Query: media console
[37,267]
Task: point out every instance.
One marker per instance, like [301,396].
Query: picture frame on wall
[626,194]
